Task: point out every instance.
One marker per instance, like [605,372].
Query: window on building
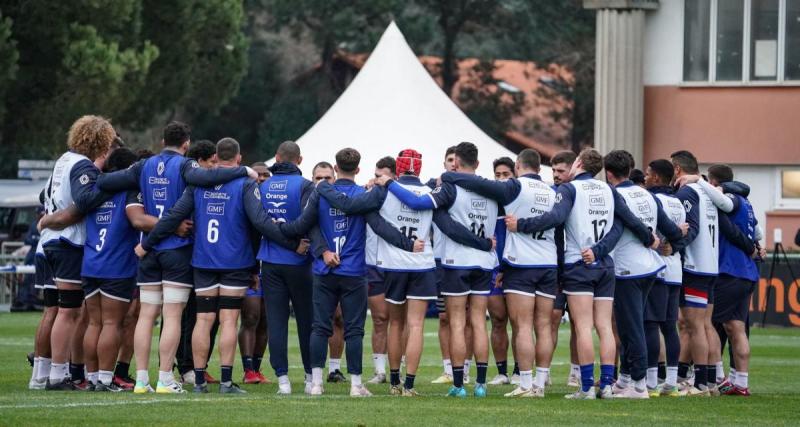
[748,40]
[695,37]
[789,191]
[730,33]
[792,40]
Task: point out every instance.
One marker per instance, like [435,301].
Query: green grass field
[775,401]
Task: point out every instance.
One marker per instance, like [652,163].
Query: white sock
[283,379]
[575,370]
[166,377]
[105,377]
[35,369]
[379,360]
[355,380]
[640,385]
[720,373]
[44,369]
[652,377]
[672,376]
[316,376]
[142,376]
[732,376]
[526,379]
[624,380]
[541,377]
[448,366]
[741,379]
[58,371]
[92,377]
[466,366]
[334,364]
[308,377]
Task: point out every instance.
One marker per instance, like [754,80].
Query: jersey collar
[409,179]
[584,175]
[661,189]
[532,176]
[626,183]
[344,181]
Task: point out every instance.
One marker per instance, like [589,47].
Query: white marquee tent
[393,104]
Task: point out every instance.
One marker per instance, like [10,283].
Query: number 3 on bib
[212,235]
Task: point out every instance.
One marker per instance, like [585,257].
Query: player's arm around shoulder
[122,180]
[565,199]
[357,205]
[259,218]
[171,220]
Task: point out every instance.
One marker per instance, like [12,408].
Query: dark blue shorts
[732,299]
[462,282]
[375,282]
[590,280]
[171,267]
[205,280]
[698,290]
[44,276]
[118,289]
[64,261]
[532,282]
[401,285]
[495,290]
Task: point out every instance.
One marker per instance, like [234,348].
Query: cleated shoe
[695,392]
[113,388]
[35,384]
[466,377]
[410,392]
[251,377]
[725,388]
[286,389]
[377,379]
[126,384]
[521,392]
[669,391]
[605,393]
[142,388]
[396,390]
[739,391]
[209,378]
[480,390]
[632,393]
[582,395]
[336,377]
[187,378]
[65,385]
[499,379]
[359,391]
[653,392]
[456,392]
[264,380]
[316,390]
[618,388]
[573,380]
[83,385]
[231,388]
[515,379]
[200,388]
[443,379]
[174,388]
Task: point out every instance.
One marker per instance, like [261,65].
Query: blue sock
[76,372]
[587,377]
[616,372]
[247,363]
[409,381]
[200,376]
[227,374]
[458,376]
[516,368]
[394,376]
[483,367]
[502,367]
[606,375]
[257,363]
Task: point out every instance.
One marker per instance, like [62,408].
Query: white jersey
[673,273]
[478,214]
[414,224]
[702,255]
[438,243]
[591,218]
[631,258]
[371,249]
[537,249]
[59,191]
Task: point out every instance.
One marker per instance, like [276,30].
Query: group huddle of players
[662,270]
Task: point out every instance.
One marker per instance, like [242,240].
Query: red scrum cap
[409,160]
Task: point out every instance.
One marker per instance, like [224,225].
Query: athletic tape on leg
[230,303]
[174,295]
[70,298]
[150,297]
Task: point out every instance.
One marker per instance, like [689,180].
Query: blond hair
[91,136]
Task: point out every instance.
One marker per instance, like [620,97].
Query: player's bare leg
[94,315]
[70,304]
[395,344]
[379,311]
[457,317]
[480,338]
[544,339]
[520,313]
[499,337]
[151,300]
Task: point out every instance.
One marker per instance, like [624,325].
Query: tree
[9,55]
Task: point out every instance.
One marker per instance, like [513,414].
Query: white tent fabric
[394,104]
